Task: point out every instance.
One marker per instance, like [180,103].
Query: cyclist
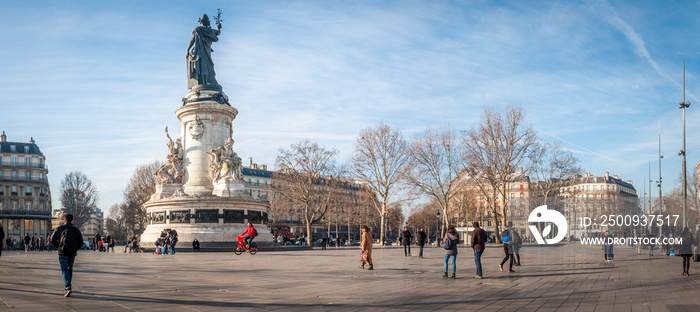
[249,234]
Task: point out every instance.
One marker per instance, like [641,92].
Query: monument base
[211,220]
[166,190]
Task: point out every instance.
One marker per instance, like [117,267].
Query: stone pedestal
[230,188]
[214,213]
[205,125]
[165,190]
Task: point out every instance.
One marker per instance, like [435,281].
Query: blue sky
[96,82]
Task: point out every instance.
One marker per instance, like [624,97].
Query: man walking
[507,249]
[478,244]
[517,242]
[407,236]
[67,240]
[421,242]
[27,242]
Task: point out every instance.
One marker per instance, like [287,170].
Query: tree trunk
[496,228]
[308,233]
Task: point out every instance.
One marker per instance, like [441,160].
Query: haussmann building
[25,197]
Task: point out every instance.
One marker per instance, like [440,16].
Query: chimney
[3,137]
[607,175]
[263,167]
[251,162]
[31,140]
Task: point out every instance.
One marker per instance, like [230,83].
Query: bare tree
[306,183]
[137,192]
[435,163]
[494,152]
[115,228]
[395,218]
[78,197]
[553,167]
[380,159]
[424,217]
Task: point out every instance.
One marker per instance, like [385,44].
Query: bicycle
[241,247]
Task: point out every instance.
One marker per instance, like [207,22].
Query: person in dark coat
[686,250]
[67,246]
[2,237]
[406,241]
[195,245]
[479,237]
[420,240]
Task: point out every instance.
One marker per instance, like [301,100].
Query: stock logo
[549,217]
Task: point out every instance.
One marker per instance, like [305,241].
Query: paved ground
[567,278]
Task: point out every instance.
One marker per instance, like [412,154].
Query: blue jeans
[447,261]
[165,249]
[477,260]
[66,269]
[609,252]
[172,248]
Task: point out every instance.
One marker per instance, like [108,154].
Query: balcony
[22,165]
[24,212]
[24,179]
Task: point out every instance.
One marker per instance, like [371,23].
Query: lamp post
[683,105]
[658,183]
[437,228]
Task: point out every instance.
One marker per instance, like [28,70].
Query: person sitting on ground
[195,245]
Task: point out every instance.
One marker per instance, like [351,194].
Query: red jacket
[250,231]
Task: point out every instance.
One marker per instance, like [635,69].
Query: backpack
[505,235]
[448,244]
[255,232]
[69,243]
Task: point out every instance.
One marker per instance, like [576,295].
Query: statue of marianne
[200,66]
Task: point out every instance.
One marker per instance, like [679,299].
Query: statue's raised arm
[200,66]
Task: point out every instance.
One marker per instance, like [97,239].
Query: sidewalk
[566,278]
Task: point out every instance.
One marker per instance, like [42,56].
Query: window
[13,148]
[27,161]
[28,205]
[14,160]
[522,195]
[28,175]
[0,193]
[512,195]
[28,190]
[14,190]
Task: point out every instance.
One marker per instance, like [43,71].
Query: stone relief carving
[196,128]
[182,216]
[172,171]
[158,217]
[224,163]
[207,216]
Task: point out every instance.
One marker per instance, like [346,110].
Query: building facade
[25,196]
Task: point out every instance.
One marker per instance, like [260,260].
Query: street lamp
[683,105]
[658,183]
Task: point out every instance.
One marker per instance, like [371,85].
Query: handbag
[363,257]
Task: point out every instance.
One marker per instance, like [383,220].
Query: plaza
[562,278]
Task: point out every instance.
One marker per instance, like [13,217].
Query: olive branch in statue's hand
[218,19]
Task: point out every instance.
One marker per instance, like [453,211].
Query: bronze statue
[200,66]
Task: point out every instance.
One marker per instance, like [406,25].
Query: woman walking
[450,243]
[686,250]
[366,246]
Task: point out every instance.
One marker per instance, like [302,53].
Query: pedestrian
[98,238]
[609,257]
[652,243]
[165,240]
[450,243]
[158,245]
[517,242]
[686,250]
[173,241]
[420,240]
[110,243]
[507,250]
[2,238]
[697,245]
[195,245]
[324,241]
[479,238]
[366,246]
[407,236]
[68,241]
[27,242]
